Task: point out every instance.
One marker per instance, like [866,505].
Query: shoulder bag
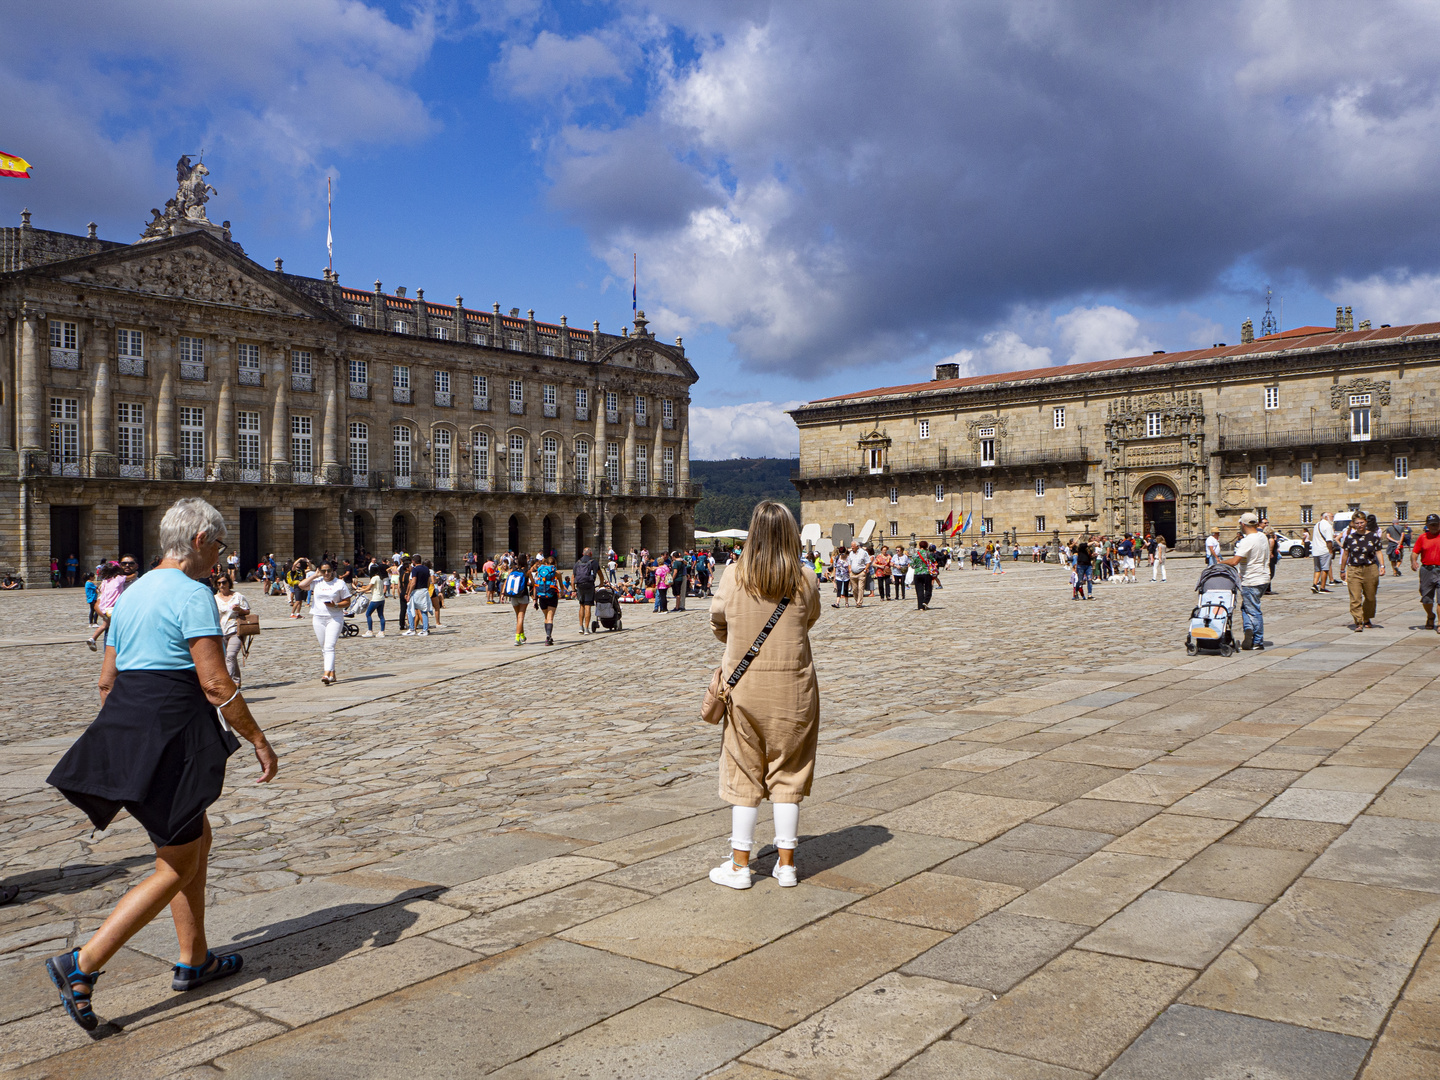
[248,625]
[717,695]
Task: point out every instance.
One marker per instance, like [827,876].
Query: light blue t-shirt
[154,618]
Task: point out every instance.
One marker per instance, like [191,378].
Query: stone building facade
[316,417]
[1293,425]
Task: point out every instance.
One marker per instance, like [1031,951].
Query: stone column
[564,338]
[682,466]
[597,455]
[497,332]
[225,467]
[657,452]
[102,406]
[627,463]
[330,424]
[462,329]
[280,419]
[532,335]
[166,466]
[32,426]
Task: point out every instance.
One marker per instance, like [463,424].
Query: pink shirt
[662,576]
[110,591]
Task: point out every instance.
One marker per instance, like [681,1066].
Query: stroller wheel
[1227,649]
[1190,645]
[351,630]
[619,625]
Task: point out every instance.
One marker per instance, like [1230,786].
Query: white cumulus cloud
[755,429]
[1100,333]
[1395,298]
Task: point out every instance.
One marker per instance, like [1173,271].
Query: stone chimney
[946,371]
[1247,332]
[1365,325]
[400,291]
[1344,320]
[1349,319]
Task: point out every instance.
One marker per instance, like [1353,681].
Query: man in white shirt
[859,560]
[1322,547]
[1212,547]
[1252,555]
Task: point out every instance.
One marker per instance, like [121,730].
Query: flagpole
[329,227]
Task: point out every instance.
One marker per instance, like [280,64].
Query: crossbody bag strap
[744,663]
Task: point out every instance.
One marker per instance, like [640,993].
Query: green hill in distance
[734,486]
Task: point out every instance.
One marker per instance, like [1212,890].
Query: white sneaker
[379,633]
[727,873]
[785,875]
[423,633]
[407,633]
[367,633]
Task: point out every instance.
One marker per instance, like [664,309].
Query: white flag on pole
[329,235]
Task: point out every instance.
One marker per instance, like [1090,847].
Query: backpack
[515,583]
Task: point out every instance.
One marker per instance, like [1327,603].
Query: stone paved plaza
[1045,844]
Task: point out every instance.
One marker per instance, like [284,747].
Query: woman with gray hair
[158,751]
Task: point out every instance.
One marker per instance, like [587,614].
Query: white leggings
[742,825]
[327,632]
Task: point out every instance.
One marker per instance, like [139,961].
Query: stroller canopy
[1219,576]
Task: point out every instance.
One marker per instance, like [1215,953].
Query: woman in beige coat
[768,748]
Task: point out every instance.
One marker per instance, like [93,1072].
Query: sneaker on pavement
[379,633]
[407,633]
[736,877]
[423,633]
[367,633]
[785,875]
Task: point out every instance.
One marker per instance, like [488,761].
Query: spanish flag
[10,165]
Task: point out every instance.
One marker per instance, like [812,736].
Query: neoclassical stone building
[316,417]
[1292,425]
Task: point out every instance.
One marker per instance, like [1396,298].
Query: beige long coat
[768,748]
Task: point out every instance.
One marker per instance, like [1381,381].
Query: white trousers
[327,632]
[742,825]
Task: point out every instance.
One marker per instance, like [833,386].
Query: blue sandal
[64,973]
[193,976]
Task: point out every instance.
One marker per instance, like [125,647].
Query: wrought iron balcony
[444,399]
[251,475]
[190,369]
[132,365]
[400,395]
[642,420]
[668,423]
[360,391]
[550,410]
[192,472]
[942,461]
[65,358]
[582,414]
[612,416]
[251,377]
[517,408]
[481,403]
[1325,435]
[304,383]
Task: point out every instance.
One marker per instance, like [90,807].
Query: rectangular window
[987,451]
[877,460]
[667,410]
[1360,422]
[65,436]
[1059,417]
[1154,426]
[924,429]
[612,464]
[548,350]
[247,356]
[989,489]
[1039,523]
[517,462]
[547,394]
[440,333]
[1307,472]
[1272,397]
[1262,512]
[939,526]
[1402,468]
[582,464]
[517,394]
[639,407]
[400,377]
[612,407]
[1307,515]
[515,344]
[1359,399]
[549,400]
[302,448]
[939,492]
[987,525]
[1402,511]
[667,465]
[582,403]
[401,436]
[64,335]
[247,444]
[130,343]
[360,372]
[894,496]
[642,465]
[442,447]
[130,438]
[1352,469]
[357,318]
[480,386]
[400,326]
[192,442]
[577,354]
[1262,475]
[301,362]
[359,449]
[480,450]
[849,498]
[550,463]
[479,339]
[894,528]
[1039,487]
[192,357]
[442,382]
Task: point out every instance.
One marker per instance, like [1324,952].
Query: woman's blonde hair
[769,568]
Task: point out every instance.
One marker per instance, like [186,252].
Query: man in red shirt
[1425,559]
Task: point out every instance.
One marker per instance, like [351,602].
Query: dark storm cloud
[832,181]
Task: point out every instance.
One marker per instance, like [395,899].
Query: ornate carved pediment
[1378,389]
[876,439]
[188,273]
[1000,424]
[1126,418]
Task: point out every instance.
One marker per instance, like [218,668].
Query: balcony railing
[517,408]
[190,369]
[481,483]
[445,483]
[481,403]
[360,391]
[1323,435]
[612,416]
[254,475]
[581,414]
[65,358]
[305,383]
[444,399]
[132,365]
[64,468]
[300,476]
[642,420]
[668,423]
[400,395]
[192,472]
[251,377]
[550,410]
[941,461]
[130,470]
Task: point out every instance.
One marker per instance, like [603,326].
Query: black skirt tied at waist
[157,749]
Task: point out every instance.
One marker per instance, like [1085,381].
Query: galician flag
[10,165]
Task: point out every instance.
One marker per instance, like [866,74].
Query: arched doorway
[649,534]
[364,534]
[547,535]
[441,552]
[1159,503]
[584,526]
[620,538]
[676,530]
[513,534]
[399,533]
[477,536]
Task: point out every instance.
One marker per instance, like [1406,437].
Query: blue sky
[824,197]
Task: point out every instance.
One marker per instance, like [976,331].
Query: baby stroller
[358,603]
[1212,621]
[607,609]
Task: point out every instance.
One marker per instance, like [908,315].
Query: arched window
[1159,493]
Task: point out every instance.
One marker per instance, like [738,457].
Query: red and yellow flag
[10,165]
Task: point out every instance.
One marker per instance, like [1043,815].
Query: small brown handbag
[248,625]
[716,706]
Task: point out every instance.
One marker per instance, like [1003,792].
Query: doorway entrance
[1160,512]
[65,538]
[512,534]
[132,533]
[249,540]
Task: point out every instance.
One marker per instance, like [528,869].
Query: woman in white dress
[327,613]
[232,607]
